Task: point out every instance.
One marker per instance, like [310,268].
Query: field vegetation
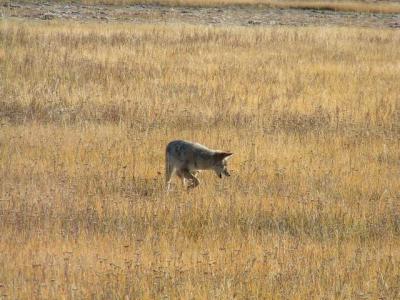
[311,209]
[337,5]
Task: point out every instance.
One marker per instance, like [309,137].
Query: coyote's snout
[185,159]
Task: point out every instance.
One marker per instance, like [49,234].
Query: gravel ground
[233,15]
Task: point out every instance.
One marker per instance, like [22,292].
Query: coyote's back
[185,159]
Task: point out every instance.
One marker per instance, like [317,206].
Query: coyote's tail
[168,168]
[166,164]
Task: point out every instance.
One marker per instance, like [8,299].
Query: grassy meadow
[311,209]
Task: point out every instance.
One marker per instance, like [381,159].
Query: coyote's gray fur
[185,159]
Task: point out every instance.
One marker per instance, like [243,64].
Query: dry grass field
[311,209]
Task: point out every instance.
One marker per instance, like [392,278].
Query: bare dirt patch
[231,15]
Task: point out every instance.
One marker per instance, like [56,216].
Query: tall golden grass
[311,210]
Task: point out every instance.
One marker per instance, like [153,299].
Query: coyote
[186,159]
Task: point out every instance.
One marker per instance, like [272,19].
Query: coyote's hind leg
[169,170]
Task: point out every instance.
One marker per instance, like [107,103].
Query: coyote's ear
[222,155]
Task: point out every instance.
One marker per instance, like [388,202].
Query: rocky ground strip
[230,15]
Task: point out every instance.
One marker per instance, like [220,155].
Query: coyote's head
[220,163]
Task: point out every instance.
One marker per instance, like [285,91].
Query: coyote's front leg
[194,181]
[189,180]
